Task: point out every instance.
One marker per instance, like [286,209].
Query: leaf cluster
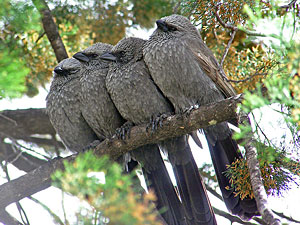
[80,24]
[111,197]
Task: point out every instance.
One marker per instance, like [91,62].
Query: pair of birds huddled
[104,87]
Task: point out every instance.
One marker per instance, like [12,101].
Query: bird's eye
[93,55]
[172,28]
[121,53]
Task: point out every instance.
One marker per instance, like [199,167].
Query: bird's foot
[124,130]
[156,121]
[92,145]
[188,111]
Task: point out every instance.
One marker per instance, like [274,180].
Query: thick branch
[177,125]
[21,160]
[5,218]
[256,181]
[16,123]
[30,183]
[173,126]
[51,30]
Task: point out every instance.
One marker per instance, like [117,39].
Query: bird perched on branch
[98,108]
[138,99]
[188,74]
[64,106]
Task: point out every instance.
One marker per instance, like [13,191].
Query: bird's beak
[59,70]
[162,25]
[108,56]
[81,57]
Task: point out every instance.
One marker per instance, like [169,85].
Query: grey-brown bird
[98,109]
[138,99]
[187,73]
[64,106]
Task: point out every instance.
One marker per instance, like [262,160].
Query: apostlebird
[64,106]
[138,100]
[188,74]
[98,108]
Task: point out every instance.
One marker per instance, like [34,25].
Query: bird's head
[127,50]
[174,26]
[91,55]
[67,67]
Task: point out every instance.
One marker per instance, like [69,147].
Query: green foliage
[80,24]
[110,198]
[278,162]
[13,60]
[12,74]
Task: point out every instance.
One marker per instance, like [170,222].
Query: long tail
[197,208]
[158,180]
[224,151]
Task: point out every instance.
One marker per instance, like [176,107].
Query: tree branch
[234,28]
[289,5]
[176,125]
[230,217]
[30,183]
[227,47]
[173,126]
[21,160]
[7,219]
[51,30]
[256,180]
[16,123]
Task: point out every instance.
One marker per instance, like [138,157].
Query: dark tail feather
[193,194]
[224,152]
[198,210]
[157,179]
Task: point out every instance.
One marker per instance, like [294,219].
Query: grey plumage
[138,99]
[188,74]
[98,108]
[64,106]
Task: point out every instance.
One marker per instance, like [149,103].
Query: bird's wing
[209,65]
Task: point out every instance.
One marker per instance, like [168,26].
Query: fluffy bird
[64,107]
[138,99]
[187,73]
[98,109]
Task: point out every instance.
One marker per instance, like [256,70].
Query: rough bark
[30,183]
[51,30]
[7,219]
[256,179]
[21,160]
[173,126]
[177,125]
[257,184]
[25,122]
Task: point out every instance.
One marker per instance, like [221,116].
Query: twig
[9,119]
[230,217]
[55,217]
[248,78]
[231,27]
[227,47]
[176,7]
[40,36]
[289,5]
[21,210]
[286,217]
